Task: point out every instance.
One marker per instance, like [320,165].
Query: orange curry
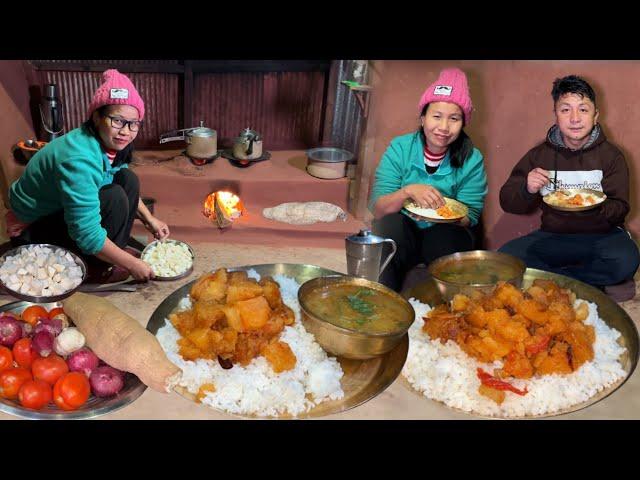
[235,318]
[533,332]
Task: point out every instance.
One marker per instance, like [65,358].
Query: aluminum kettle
[364,252]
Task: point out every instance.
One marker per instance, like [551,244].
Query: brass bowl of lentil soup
[353,317]
[475,271]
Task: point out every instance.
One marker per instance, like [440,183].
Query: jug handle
[390,256]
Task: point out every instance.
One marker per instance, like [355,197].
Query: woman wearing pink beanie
[437,161]
[78,192]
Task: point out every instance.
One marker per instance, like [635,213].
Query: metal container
[448,288]
[29,148]
[351,343]
[364,252]
[51,298]
[202,142]
[247,145]
[184,274]
[328,162]
[51,109]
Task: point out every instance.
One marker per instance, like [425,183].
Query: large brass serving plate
[362,380]
[575,191]
[608,310]
[94,407]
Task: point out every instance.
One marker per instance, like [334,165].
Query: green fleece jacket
[403,164]
[66,175]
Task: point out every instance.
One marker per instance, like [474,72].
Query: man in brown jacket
[592,245]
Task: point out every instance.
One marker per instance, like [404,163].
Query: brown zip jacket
[599,165]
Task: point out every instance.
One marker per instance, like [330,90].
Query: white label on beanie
[119,93]
[442,90]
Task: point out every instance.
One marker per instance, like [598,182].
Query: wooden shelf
[360,91]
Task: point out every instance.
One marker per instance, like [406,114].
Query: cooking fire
[223,208]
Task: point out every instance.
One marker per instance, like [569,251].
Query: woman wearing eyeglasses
[78,192]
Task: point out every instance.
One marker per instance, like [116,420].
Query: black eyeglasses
[117,122]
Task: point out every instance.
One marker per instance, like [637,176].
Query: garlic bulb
[69,340]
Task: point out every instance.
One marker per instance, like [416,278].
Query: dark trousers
[598,259]
[416,245]
[118,206]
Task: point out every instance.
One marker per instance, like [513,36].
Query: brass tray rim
[156,321]
[608,391]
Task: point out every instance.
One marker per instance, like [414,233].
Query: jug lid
[365,237]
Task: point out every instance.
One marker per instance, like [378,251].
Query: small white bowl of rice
[169,259]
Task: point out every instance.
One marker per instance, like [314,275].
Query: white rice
[447,374]
[256,389]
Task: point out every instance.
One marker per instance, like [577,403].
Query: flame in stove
[229,204]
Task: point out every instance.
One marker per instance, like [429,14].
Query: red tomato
[11,380]
[49,369]
[55,311]
[6,358]
[23,354]
[32,314]
[35,394]
[71,391]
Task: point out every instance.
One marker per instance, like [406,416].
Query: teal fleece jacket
[66,175]
[403,164]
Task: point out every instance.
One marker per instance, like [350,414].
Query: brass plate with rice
[458,210]
[362,379]
[608,310]
[574,199]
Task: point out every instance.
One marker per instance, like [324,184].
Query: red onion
[106,381]
[63,319]
[42,343]
[84,361]
[51,325]
[27,329]
[10,331]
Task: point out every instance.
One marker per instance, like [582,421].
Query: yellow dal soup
[475,272]
[357,308]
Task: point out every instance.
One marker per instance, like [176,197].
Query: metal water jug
[364,252]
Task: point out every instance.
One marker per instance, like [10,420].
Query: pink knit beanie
[451,86]
[117,89]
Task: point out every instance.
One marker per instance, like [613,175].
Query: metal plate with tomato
[93,407]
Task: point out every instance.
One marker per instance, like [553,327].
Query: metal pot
[328,162]
[247,145]
[29,148]
[202,142]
